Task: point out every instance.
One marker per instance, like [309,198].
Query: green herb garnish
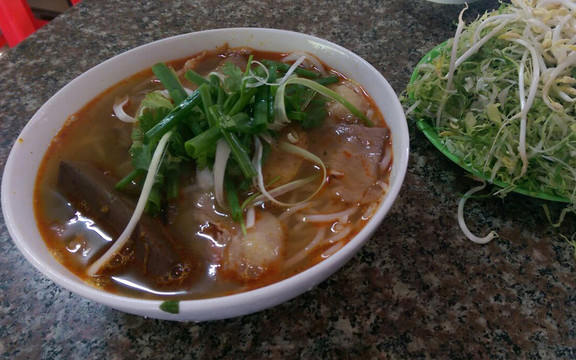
[170,306]
[236,106]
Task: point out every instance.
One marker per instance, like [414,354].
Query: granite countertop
[418,289]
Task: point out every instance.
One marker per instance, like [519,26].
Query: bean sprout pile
[501,95]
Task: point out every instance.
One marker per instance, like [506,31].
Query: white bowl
[28,150]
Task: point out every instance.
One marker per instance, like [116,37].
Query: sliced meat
[353,154]
[281,166]
[352,93]
[151,250]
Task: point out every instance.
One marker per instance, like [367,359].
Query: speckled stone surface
[418,289]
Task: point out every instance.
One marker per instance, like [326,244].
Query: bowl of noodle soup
[265,279]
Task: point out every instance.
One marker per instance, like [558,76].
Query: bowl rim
[224,306]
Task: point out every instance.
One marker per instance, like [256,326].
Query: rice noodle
[298,227]
[332,250]
[339,236]
[386,159]
[294,210]
[369,211]
[384,185]
[301,255]
[118,108]
[339,225]
[284,189]
[325,218]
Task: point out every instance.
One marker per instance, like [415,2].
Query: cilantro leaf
[234,75]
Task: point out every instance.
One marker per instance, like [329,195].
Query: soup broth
[192,246]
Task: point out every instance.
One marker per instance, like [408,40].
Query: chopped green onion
[196,78]
[235,106]
[203,142]
[170,81]
[233,201]
[281,107]
[240,154]
[328,80]
[176,115]
[261,108]
[126,180]
[245,98]
[299,70]
[170,306]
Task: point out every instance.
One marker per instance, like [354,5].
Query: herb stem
[174,116]
[170,82]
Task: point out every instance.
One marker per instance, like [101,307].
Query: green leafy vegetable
[237,106]
[156,100]
[499,97]
[234,74]
[226,126]
[491,107]
[281,107]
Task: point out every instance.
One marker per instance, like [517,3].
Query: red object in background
[17,21]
